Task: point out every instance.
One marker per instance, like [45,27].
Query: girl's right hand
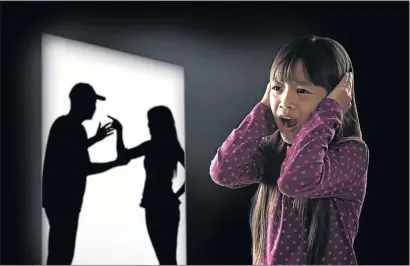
[266,98]
[115,123]
[343,92]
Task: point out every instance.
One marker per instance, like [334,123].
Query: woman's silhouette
[162,154]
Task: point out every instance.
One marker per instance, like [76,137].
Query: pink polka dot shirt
[312,169]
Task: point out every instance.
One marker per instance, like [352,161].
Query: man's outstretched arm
[97,168]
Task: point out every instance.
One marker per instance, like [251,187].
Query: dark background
[226,50]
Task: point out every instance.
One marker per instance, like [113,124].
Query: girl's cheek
[273,104]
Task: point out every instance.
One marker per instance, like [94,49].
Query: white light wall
[112,229]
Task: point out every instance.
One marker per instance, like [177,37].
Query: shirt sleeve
[76,155]
[315,169]
[67,151]
[239,161]
[84,156]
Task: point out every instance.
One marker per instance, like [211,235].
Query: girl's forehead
[291,74]
[299,72]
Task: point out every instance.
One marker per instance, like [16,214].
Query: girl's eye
[276,88]
[302,91]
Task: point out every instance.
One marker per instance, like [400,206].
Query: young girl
[307,207]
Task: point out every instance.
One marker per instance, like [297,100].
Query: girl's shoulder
[355,143]
[352,139]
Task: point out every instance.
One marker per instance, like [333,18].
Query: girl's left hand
[342,93]
[266,97]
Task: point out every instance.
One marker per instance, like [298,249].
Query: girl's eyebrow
[303,83]
[297,82]
[276,81]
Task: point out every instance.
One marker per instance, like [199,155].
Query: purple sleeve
[313,169]
[239,160]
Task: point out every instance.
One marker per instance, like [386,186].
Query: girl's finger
[114,119]
[350,84]
[345,79]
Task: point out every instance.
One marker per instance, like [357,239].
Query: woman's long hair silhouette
[163,131]
[162,154]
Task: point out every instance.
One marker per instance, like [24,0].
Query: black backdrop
[226,50]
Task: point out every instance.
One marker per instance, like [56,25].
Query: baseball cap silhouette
[82,91]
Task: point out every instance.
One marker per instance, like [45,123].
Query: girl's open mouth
[289,123]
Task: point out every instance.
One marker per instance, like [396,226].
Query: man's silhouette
[66,167]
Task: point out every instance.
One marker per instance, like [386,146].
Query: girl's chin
[287,137]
